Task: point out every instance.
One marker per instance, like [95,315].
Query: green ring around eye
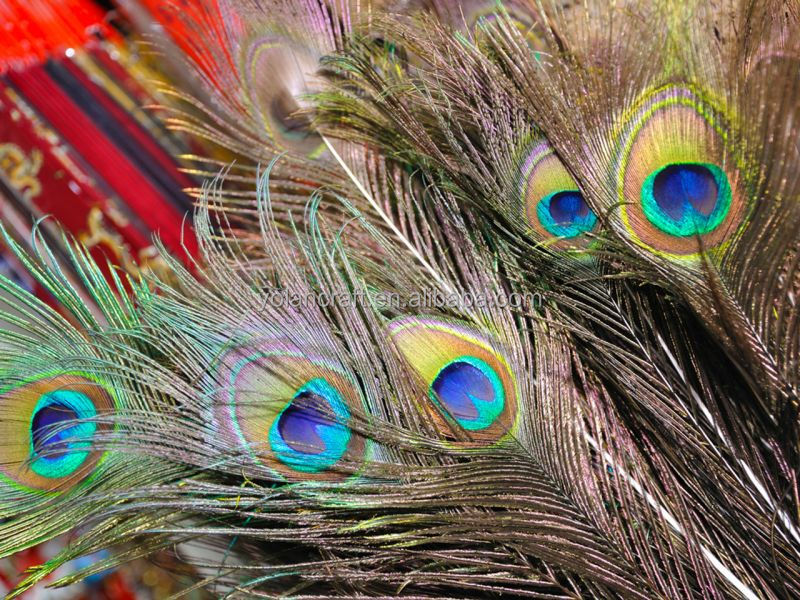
[685,199]
[565,214]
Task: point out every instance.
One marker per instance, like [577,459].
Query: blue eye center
[298,424]
[59,450]
[311,433]
[568,207]
[49,437]
[459,385]
[470,392]
[565,214]
[679,187]
[686,199]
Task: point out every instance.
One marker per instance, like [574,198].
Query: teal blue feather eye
[291,413]
[311,432]
[686,198]
[679,191]
[470,391]
[48,431]
[565,214]
[466,377]
[60,450]
[554,207]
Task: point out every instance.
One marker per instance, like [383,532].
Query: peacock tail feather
[499,300]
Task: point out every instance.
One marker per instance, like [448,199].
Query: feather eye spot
[464,375]
[59,450]
[687,198]
[49,427]
[278,73]
[311,433]
[44,421]
[677,177]
[555,209]
[469,391]
[566,214]
[297,425]
[289,412]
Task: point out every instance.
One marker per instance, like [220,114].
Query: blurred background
[84,142]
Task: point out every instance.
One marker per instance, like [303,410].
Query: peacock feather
[469,383]
[554,206]
[499,300]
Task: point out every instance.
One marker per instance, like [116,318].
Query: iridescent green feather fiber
[96,364]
